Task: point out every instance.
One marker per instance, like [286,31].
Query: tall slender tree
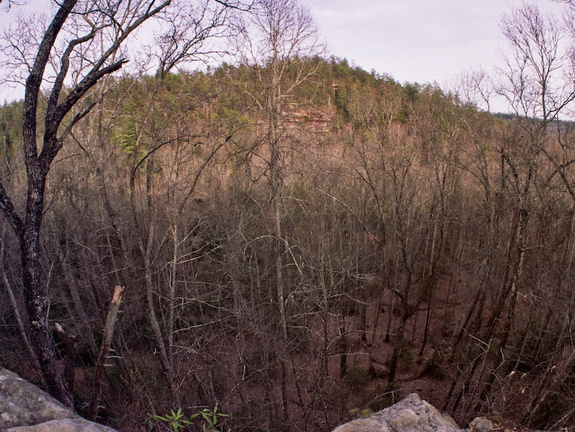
[280,38]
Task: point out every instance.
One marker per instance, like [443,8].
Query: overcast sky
[421,41]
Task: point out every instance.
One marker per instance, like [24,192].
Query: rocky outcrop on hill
[412,414]
[26,408]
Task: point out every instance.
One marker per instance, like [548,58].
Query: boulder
[412,414]
[26,408]
[481,424]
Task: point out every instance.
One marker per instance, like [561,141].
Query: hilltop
[292,253]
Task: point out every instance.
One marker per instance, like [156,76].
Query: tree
[536,81]
[280,40]
[73,29]
[185,38]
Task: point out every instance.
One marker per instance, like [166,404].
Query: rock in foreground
[26,408]
[410,415]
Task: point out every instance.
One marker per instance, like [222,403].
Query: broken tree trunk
[104,351]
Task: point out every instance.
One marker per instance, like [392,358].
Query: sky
[424,41]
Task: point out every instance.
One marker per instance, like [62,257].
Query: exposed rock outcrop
[412,414]
[26,408]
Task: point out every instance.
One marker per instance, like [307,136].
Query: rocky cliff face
[412,414]
[26,408]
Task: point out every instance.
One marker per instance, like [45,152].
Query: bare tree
[475,87]
[75,26]
[536,79]
[536,82]
[280,38]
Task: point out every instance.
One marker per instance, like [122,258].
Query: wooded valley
[299,240]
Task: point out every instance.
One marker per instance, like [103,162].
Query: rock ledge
[412,414]
[26,408]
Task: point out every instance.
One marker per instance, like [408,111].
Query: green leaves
[210,417]
[176,421]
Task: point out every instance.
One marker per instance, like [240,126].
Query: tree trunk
[36,292]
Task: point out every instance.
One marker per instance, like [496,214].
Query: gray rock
[481,424]
[410,415]
[24,407]
[62,425]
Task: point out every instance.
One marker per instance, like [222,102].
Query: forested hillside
[299,240]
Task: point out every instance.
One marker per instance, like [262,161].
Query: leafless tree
[536,79]
[279,40]
[536,82]
[59,67]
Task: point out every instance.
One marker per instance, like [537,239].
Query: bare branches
[237,4]
[476,88]
[72,34]
[538,71]
[186,33]
[284,30]
[18,48]
[34,81]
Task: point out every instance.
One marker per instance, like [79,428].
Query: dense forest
[299,241]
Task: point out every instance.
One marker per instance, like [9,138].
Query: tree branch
[34,81]
[10,213]
[236,5]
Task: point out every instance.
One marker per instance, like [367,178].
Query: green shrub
[176,421]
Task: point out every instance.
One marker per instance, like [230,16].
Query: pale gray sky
[421,41]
